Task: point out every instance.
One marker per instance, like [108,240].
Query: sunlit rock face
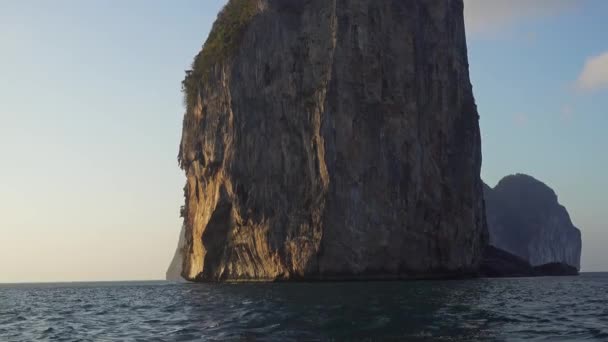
[525,219]
[174,272]
[332,139]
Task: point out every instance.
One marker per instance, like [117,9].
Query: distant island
[526,221]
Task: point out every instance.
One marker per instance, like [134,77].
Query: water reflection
[338,310]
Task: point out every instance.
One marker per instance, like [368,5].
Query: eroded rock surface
[332,139]
[525,219]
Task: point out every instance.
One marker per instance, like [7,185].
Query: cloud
[595,73]
[486,17]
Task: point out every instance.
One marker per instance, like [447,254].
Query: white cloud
[486,17]
[595,73]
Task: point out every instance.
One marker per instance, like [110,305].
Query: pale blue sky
[91,110]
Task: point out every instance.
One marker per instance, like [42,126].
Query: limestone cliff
[332,139]
[174,272]
[525,219]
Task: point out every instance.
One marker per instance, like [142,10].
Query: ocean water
[544,309]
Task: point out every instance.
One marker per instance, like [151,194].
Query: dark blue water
[546,309]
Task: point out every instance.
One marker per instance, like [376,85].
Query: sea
[508,309]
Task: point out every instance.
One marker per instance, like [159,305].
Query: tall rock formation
[332,139]
[525,219]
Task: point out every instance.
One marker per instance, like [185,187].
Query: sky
[91,111]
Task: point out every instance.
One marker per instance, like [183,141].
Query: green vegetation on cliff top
[223,40]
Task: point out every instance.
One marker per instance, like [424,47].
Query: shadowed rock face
[525,219]
[556,269]
[338,140]
[499,263]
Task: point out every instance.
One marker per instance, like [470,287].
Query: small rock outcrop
[497,263]
[329,139]
[525,219]
[555,269]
